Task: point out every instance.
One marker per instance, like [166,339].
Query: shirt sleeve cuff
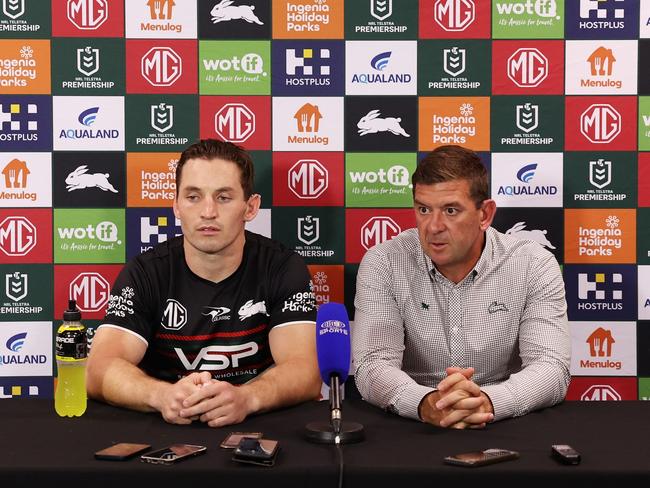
[502,401]
[409,401]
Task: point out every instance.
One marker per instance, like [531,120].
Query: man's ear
[252,207]
[488,211]
[175,207]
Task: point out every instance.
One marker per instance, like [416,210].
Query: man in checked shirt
[457,324]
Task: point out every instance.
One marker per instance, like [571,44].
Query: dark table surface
[39,448]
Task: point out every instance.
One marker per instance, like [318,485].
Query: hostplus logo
[526,174]
[602,14]
[601,64]
[454,15]
[600,343]
[300,66]
[154,230]
[18,122]
[527,67]
[454,129]
[90,290]
[249,68]
[158,185]
[600,292]
[600,123]
[18,70]
[87,118]
[161,13]
[17,236]
[234,122]
[87,14]
[307,18]
[600,241]
[15,175]
[308,122]
[161,66]
[308,179]
[380,63]
[377,230]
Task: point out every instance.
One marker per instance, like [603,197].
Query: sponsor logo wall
[337,100]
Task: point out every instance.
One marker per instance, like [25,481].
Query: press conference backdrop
[336,100]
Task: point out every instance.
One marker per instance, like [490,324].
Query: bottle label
[71,345]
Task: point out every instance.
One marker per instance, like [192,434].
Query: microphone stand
[336,431]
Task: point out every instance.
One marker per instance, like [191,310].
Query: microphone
[333,350]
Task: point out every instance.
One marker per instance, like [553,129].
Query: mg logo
[308,178]
[90,290]
[174,316]
[162,117]
[308,229]
[13,8]
[161,66]
[87,60]
[454,15]
[527,67]
[17,236]
[16,285]
[453,61]
[527,117]
[600,393]
[378,230]
[87,14]
[235,122]
[381,9]
[600,123]
[600,173]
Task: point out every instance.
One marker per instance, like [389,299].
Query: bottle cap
[72,314]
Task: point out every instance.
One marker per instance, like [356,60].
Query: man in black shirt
[216,324]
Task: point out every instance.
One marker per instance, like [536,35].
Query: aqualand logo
[380,63]
[87,118]
[16,342]
[526,174]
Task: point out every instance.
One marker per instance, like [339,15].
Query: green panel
[379,179]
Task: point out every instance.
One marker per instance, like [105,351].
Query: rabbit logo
[225,11]
[371,123]
[80,179]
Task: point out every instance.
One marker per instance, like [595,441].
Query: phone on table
[233,439]
[172,454]
[121,451]
[256,451]
[481,458]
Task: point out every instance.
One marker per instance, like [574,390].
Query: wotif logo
[526,174]
[600,123]
[454,15]
[17,236]
[250,63]
[104,231]
[527,67]
[13,8]
[541,8]
[378,230]
[87,14]
[161,66]
[380,63]
[396,175]
[307,179]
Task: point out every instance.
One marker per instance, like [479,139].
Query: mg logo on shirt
[161,66]
[87,14]
[308,178]
[454,15]
[90,290]
[600,393]
[235,122]
[13,8]
[174,316]
[17,236]
[600,123]
[378,230]
[527,67]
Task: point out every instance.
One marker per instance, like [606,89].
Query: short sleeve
[293,298]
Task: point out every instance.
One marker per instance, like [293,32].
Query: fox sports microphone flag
[333,341]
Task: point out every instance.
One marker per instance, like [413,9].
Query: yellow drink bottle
[71,353]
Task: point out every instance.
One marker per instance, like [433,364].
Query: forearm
[118,382]
[294,381]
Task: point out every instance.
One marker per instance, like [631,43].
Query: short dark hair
[448,163]
[212,149]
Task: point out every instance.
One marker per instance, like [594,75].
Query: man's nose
[209,209]
[436,222]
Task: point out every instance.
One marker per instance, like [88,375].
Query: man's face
[211,206]
[450,227]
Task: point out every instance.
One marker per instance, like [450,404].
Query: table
[38,448]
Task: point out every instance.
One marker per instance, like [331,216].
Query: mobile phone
[481,458]
[256,451]
[173,454]
[565,454]
[233,439]
[121,451]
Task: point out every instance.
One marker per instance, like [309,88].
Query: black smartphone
[481,458]
[121,451]
[233,439]
[256,451]
[173,454]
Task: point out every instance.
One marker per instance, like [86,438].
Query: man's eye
[224,198]
[451,211]
[423,210]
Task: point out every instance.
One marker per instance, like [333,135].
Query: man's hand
[218,403]
[458,403]
[170,397]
